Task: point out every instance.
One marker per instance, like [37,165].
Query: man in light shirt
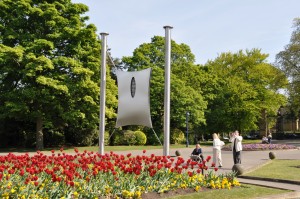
[236,145]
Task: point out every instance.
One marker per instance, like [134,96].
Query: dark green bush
[54,138]
[129,137]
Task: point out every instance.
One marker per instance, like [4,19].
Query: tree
[49,66]
[247,85]
[184,97]
[288,61]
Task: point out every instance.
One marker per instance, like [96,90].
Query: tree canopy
[49,66]
[184,97]
[248,85]
[50,78]
[288,61]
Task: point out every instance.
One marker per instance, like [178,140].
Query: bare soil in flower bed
[177,192]
[172,193]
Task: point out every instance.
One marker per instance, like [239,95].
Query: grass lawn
[245,191]
[119,148]
[279,169]
[96,148]
[149,147]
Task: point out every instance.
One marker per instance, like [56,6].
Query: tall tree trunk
[39,134]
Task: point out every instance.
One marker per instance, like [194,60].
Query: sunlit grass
[279,169]
[118,148]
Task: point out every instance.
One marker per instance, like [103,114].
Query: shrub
[129,137]
[54,138]
[118,138]
[106,138]
[177,137]
[140,137]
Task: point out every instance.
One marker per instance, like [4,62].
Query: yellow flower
[137,194]
[12,190]
[76,194]
[183,186]
[107,190]
[125,193]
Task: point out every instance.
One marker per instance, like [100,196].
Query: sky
[208,27]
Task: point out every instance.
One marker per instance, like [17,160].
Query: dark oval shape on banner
[132,87]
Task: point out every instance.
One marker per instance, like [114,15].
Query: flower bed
[259,147]
[91,175]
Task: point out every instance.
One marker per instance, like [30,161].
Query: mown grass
[279,169]
[245,191]
[149,147]
[117,148]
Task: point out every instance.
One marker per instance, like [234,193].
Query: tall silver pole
[103,93]
[166,151]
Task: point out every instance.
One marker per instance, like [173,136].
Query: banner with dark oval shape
[134,98]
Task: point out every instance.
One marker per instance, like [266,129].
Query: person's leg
[219,156]
[202,157]
[238,157]
[215,156]
[234,157]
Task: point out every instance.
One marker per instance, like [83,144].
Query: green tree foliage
[184,97]
[247,86]
[49,68]
[289,61]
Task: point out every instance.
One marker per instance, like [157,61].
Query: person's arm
[200,151]
[231,137]
[193,152]
[239,138]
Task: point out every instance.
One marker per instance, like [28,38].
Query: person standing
[217,144]
[269,138]
[236,145]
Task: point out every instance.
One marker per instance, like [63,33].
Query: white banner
[134,98]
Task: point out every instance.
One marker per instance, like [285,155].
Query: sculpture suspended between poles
[134,98]
[137,111]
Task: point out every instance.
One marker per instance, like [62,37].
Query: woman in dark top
[198,151]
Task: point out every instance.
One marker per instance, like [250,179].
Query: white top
[217,144]
[238,142]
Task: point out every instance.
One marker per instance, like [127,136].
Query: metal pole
[103,94]
[187,129]
[166,150]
